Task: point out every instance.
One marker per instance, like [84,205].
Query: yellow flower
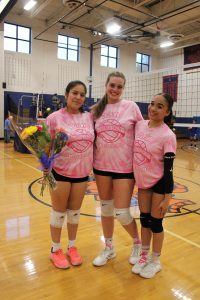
[28,131]
[31,130]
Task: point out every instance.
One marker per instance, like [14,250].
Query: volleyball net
[181,82]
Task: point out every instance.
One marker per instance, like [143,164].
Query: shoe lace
[73,251]
[105,252]
[151,265]
[60,254]
[143,258]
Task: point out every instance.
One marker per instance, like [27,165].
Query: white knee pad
[57,218]
[123,215]
[107,208]
[73,216]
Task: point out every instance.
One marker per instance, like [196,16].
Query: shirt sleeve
[170,143]
[138,115]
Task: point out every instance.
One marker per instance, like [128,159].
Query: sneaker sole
[76,264]
[151,276]
[103,264]
[133,263]
[58,267]
[138,271]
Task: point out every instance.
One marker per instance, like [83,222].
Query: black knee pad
[156,225]
[145,219]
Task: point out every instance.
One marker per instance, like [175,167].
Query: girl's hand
[46,172]
[164,205]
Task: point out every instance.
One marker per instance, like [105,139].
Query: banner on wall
[170,85]
[191,54]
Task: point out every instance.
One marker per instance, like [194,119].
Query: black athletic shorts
[159,187]
[59,177]
[114,175]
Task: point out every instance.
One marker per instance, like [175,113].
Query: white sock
[145,249]
[71,243]
[108,242]
[156,256]
[55,246]
[136,241]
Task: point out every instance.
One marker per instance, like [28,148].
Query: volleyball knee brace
[107,208]
[123,215]
[156,225]
[145,219]
[73,216]
[57,218]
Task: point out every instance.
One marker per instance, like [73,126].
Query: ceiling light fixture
[166,44]
[95,33]
[5,7]
[30,5]
[113,28]
[3,4]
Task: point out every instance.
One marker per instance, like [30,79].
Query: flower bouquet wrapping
[39,142]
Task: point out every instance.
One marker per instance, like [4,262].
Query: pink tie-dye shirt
[113,151]
[76,158]
[149,148]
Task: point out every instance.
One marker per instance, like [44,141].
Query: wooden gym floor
[27,273]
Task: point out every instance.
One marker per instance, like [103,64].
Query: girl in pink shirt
[115,121]
[70,169]
[154,152]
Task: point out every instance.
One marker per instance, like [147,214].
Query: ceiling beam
[40,8]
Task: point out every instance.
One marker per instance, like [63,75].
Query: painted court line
[167,231]
[182,238]
[21,162]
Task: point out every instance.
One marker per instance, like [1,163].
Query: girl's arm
[169,181]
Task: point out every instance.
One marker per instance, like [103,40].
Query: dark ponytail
[170,102]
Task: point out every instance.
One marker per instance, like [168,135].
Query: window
[142,62]
[68,48]
[17,38]
[109,56]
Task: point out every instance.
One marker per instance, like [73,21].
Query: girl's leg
[144,200]
[154,266]
[74,204]
[145,203]
[122,193]
[76,196]
[59,199]
[158,237]
[105,190]
[105,187]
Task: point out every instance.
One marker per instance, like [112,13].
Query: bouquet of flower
[38,140]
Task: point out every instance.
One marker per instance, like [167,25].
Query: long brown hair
[99,107]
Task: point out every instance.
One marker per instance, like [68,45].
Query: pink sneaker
[75,258]
[59,260]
